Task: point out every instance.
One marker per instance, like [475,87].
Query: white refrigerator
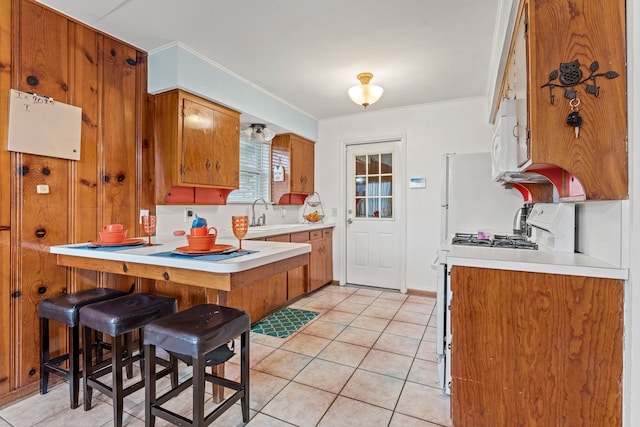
[471,200]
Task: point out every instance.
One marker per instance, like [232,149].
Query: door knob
[349,221]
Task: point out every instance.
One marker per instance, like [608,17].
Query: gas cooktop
[498,241]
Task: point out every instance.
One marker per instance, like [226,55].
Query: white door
[375,217]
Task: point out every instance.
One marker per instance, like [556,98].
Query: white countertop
[268,252]
[276,229]
[574,264]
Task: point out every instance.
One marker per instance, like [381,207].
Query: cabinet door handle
[208,164]
[217,165]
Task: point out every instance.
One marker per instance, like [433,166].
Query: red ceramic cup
[204,231]
[113,227]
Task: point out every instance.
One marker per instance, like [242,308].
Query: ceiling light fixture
[365,94]
[258,132]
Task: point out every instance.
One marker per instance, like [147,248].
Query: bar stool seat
[198,335]
[116,318]
[65,309]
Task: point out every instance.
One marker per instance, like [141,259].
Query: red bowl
[112,236]
[201,243]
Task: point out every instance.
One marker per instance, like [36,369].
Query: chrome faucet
[262,220]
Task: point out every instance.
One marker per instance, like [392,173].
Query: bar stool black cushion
[116,318]
[198,335]
[65,309]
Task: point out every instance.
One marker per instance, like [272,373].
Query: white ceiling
[308,53]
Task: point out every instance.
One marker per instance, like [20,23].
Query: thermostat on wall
[417,183]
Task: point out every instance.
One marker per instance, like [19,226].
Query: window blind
[255,172]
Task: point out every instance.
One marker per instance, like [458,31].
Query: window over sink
[255,172]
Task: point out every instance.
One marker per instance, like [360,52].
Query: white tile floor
[367,360]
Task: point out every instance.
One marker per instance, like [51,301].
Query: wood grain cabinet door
[198,157]
[226,150]
[533,349]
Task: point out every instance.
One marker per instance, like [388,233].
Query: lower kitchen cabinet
[321,261]
[535,349]
[260,298]
[321,257]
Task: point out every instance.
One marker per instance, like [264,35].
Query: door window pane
[386,207]
[373,186]
[385,185]
[361,207]
[361,165]
[386,161]
[374,164]
[361,188]
[374,211]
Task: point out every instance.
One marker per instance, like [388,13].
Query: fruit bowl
[313,217]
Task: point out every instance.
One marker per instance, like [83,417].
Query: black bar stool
[118,317]
[198,336]
[65,308]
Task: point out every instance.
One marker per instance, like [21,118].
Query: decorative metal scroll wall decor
[570,76]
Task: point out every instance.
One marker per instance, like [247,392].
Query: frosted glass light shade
[365,94]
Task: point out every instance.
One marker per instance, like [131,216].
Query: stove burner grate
[498,241]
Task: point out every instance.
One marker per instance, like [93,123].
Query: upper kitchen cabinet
[569,57]
[296,156]
[197,149]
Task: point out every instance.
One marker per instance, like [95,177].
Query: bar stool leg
[150,384]
[74,365]
[44,354]
[87,370]
[198,391]
[141,337]
[244,374]
[116,383]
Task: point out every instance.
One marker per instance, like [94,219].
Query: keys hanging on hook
[574,119]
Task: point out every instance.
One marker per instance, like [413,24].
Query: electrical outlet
[143,212]
[188,214]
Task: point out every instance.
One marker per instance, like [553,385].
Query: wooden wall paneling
[118,140]
[40,220]
[5,200]
[84,182]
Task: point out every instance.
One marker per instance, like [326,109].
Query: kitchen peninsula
[219,278]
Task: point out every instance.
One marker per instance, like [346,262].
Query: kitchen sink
[275,227]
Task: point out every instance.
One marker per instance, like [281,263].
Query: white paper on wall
[40,125]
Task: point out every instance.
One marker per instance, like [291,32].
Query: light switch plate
[42,189]
[143,212]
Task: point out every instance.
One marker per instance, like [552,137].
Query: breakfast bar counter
[157,262]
